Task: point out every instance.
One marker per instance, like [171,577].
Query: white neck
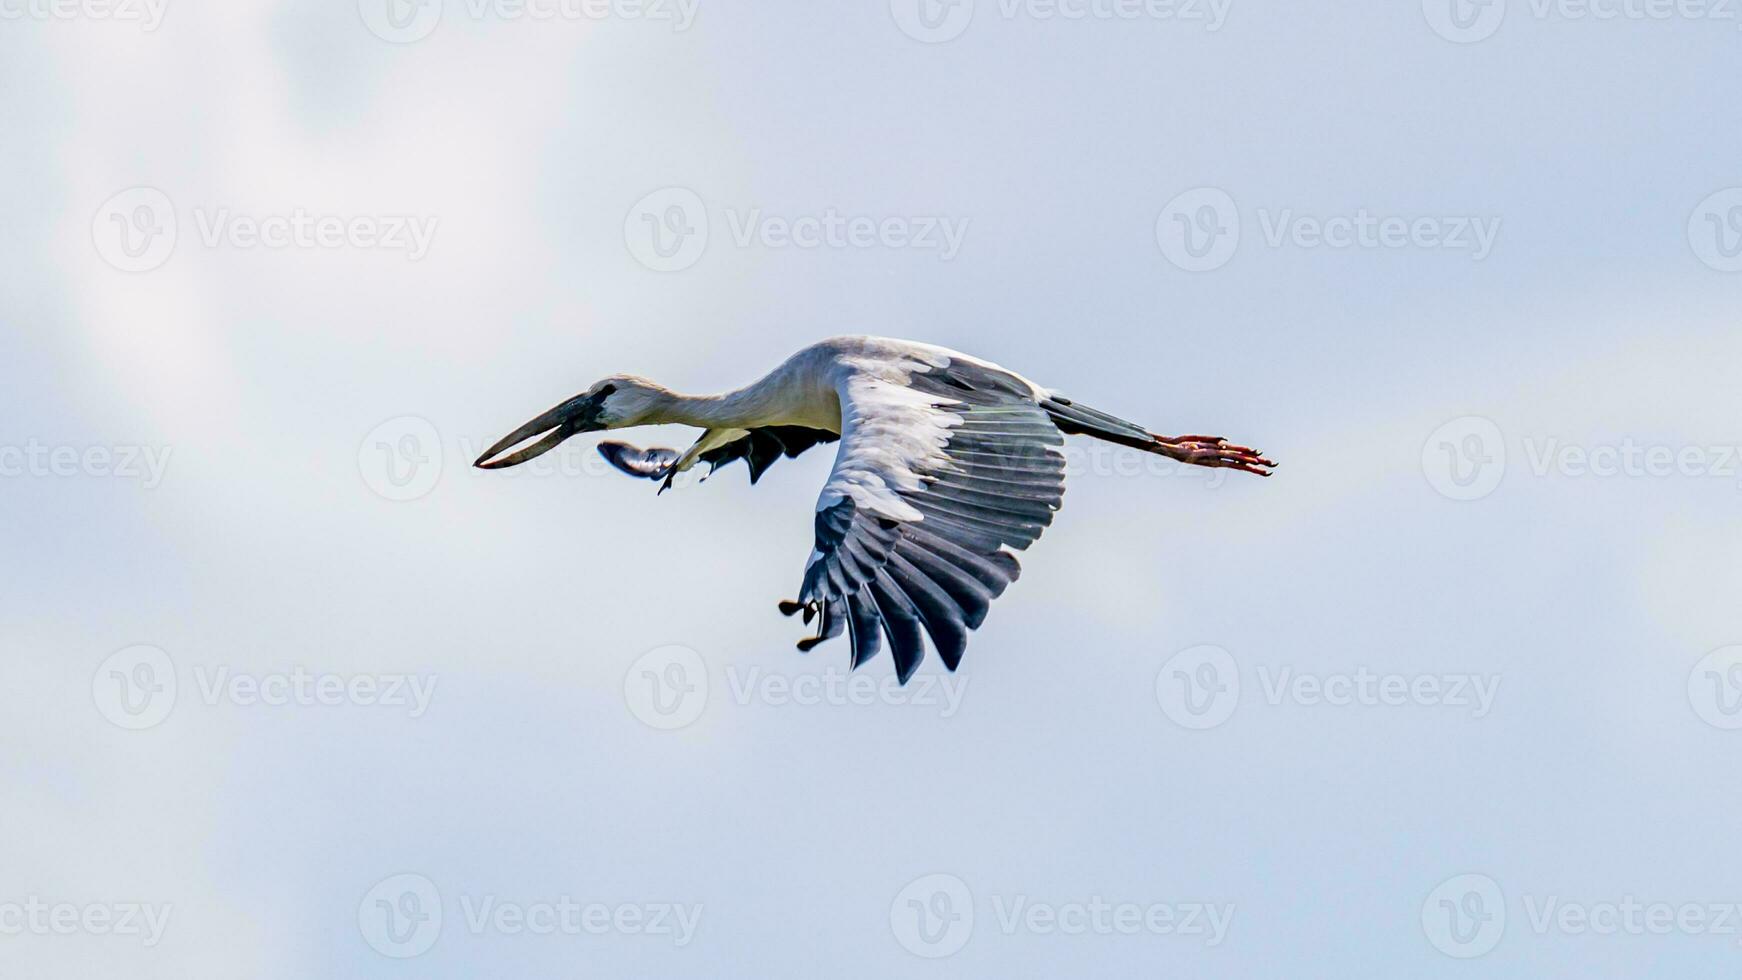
[740,409]
[784,397]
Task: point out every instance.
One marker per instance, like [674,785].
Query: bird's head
[616,402]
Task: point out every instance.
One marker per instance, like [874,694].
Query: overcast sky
[291,691]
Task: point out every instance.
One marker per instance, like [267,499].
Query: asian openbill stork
[945,461]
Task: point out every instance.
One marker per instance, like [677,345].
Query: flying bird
[946,462]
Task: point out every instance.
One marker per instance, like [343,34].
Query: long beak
[578,414]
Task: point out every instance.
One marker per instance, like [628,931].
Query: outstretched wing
[934,479]
[758,448]
[651,464]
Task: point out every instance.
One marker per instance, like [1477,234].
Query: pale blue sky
[270,543]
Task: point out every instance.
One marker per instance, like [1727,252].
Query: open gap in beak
[538,448]
[557,424]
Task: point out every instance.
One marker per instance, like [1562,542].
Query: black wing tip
[645,464]
[952,658]
[867,636]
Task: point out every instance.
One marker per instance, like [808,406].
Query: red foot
[1214,451]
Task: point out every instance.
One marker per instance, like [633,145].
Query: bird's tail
[1075,419]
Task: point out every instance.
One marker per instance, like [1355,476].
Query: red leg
[1214,451]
